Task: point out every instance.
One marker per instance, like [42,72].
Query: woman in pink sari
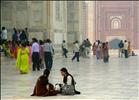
[30,52]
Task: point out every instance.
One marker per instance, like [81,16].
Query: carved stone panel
[36,13]
[58,37]
[38,35]
[6,14]
[21,14]
[21,5]
[21,19]
[57,10]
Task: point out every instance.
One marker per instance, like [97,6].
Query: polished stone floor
[116,80]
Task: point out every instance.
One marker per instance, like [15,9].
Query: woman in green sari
[22,62]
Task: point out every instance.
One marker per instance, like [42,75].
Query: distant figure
[23,37]
[99,51]
[26,32]
[30,51]
[105,52]
[43,87]
[41,55]
[87,47]
[48,54]
[22,59]
[82,49]
[76,51]
[14,36]
[35,54]
[64,48]
[4,35]
[126,49]
[94,48]
[121,49]
[129,48]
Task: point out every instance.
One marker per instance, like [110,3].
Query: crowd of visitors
[39,55]
[101,50]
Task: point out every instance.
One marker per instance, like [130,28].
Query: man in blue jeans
[64,48]
[76,51]
[48,54]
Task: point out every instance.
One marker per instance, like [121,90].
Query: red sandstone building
[117,20]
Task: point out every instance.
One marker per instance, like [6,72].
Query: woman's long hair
[44,77]
[67,74]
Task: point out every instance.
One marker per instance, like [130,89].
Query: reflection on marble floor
[116,80]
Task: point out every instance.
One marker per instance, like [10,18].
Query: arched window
[116,23]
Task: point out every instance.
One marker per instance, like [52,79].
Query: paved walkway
[116,80]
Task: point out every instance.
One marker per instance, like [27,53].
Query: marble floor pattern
[116,80]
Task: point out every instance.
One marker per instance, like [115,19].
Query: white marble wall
[46,19]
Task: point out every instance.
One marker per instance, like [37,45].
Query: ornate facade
[67,20]
[116,20]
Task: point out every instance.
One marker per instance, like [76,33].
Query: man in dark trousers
[35,54]
[121,50]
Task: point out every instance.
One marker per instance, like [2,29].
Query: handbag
[68,90]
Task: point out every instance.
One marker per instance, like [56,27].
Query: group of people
[78,50]
[75,50]
[125,49]
[45,88]
[18,36]
[101,50]
[85,48]
[38,52]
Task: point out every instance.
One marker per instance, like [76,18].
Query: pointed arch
[116,23]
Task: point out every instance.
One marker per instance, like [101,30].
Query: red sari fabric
[41,88]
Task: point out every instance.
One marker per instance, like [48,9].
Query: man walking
[126,49]
[76,51]
[64,48]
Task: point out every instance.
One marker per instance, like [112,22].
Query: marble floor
[116,80]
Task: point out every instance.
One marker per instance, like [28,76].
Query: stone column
[91,21]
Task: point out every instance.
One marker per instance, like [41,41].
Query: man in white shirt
[76,51]
[35,54]
[64,48]
[4,35]
[126,48]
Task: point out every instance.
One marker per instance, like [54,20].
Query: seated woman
[43,87]
[68,80]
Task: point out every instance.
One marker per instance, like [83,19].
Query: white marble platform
[116,80]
